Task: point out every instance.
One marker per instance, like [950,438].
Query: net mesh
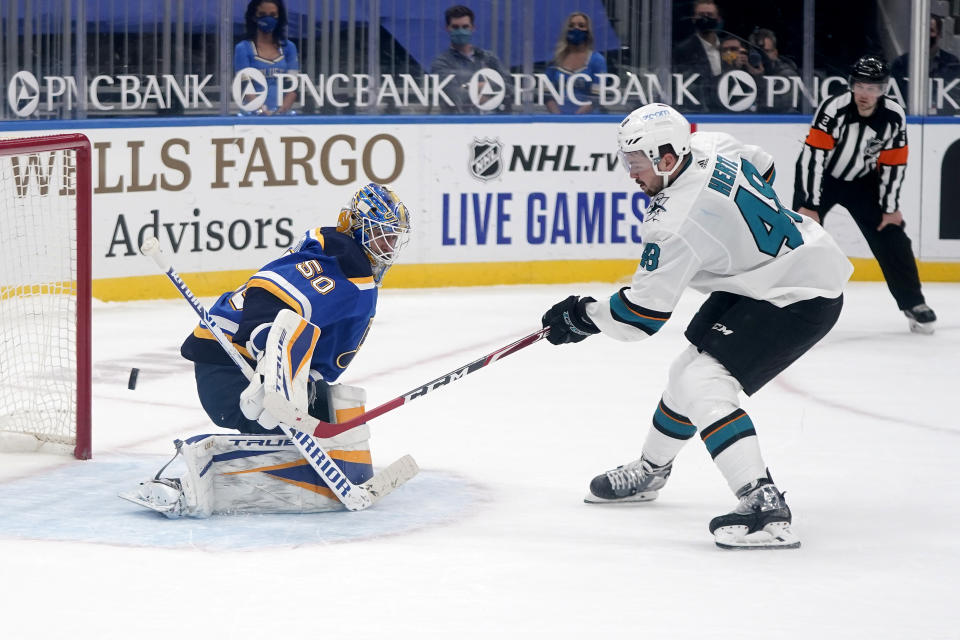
[38,301]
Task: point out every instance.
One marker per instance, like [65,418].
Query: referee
[856,156]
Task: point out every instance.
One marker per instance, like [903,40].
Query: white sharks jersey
[719,226]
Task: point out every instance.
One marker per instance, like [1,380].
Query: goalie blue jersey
[326,278]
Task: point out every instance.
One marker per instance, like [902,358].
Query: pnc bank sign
[486,91]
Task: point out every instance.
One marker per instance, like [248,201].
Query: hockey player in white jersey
[775,280]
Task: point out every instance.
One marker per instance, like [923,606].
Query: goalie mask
[379,222]
[649,128]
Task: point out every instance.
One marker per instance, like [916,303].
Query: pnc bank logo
[249,82]
[737,90]
[487,89]
[23,93]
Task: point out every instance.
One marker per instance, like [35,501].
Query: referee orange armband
[819,139]
[893,156]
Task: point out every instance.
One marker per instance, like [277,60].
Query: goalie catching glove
[568,321]
[278,393]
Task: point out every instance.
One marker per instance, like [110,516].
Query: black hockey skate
[761,520]
[922,319]
[637,481]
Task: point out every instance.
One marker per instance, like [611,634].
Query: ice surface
[862,434]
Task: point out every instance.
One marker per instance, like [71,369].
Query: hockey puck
[132,382]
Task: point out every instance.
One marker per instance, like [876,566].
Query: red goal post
[45,344]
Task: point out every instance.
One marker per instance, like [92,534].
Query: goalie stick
[354,497]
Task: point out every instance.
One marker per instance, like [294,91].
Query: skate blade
[643,496]
[925,328]
[168,510]
[776,535]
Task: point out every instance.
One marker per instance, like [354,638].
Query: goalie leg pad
[263,473]
[269,475]
[253,474]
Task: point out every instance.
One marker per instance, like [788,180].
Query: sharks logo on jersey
[657,206]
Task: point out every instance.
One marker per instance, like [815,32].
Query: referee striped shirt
[844,145]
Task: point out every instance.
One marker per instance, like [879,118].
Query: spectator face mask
[730,54]
[266,24]
[460,37]
[576,36]
[707,23]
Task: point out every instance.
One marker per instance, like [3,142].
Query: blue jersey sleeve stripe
[205,334]
[277,291]
[363,283]
[226,324]
[283,290]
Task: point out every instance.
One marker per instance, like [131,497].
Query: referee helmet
[870,69]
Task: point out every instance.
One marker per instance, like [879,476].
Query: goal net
[45,293]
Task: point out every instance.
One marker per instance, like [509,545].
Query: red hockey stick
[323,429]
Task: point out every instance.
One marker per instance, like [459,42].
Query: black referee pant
[891,246]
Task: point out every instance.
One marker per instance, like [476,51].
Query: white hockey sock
[669,432]
[732,442]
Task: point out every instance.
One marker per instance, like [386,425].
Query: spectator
[734,56]
[463,60]
[943,64]
[856,156]
[700,54]
[267,50]
[574,55]
[765,52]
[774,65]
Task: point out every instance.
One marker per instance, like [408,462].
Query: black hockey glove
[568,321]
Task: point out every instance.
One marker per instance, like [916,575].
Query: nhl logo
[486,161]
[873,148]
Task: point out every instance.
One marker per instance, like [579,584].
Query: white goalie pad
[260,474]
[241,473]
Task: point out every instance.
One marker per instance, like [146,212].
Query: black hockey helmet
[870,68]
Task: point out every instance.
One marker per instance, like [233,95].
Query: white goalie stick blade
[776,535]
[388,479]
